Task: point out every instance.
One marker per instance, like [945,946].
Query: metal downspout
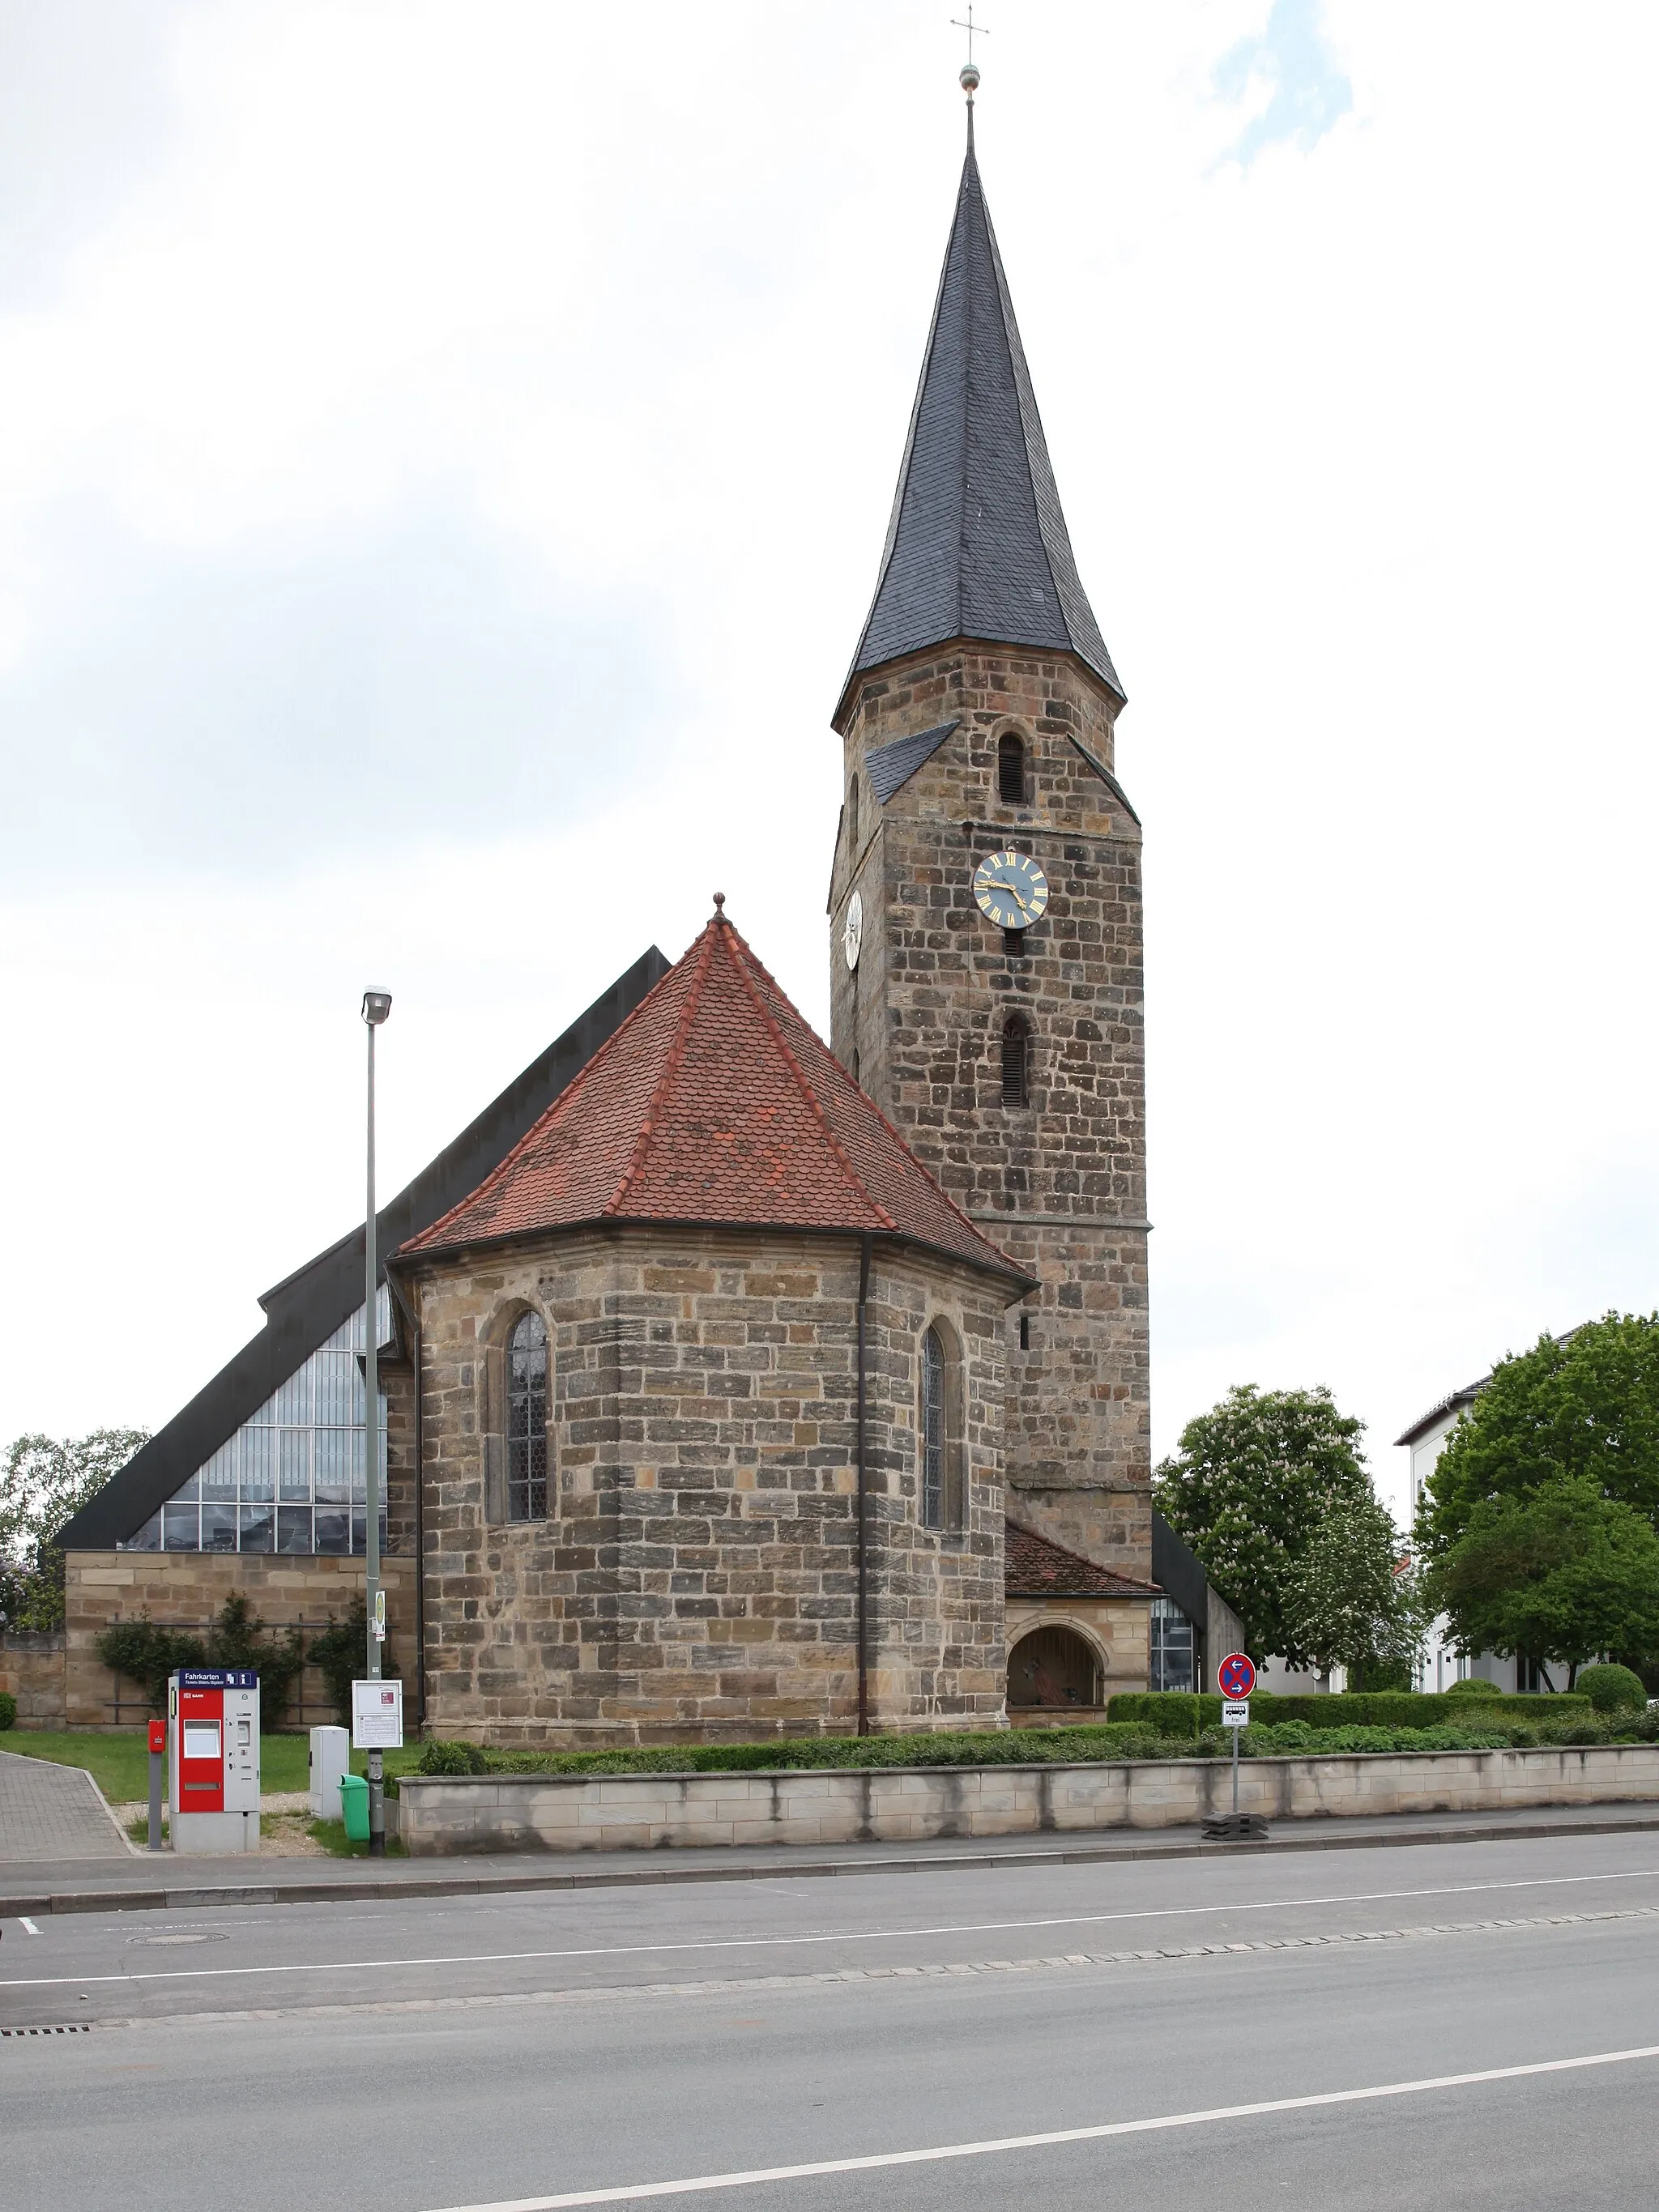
[863,1504]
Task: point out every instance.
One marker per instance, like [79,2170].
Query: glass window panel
[218,1528]
[294,1527]
[148,1538]
[333,1531]
[265,1418]
[359,1533]
[295,1463]
[258,1456]
[191,1489]
[218,1477]
[182,1526]
[333,1465]
[293,1401]
[258,1528]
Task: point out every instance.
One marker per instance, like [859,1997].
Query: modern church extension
[735,1385]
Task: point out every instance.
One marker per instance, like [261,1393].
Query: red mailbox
[158,1738]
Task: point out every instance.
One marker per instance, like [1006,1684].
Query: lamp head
[377,1004]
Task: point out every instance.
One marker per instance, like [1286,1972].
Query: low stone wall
[31,1669]
[441,1813]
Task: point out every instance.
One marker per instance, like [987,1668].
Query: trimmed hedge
[8,1709]
[1478,1730]
[1179,1712]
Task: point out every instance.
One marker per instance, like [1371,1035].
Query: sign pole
[377,1004]
[158,1751]
[1236,1734]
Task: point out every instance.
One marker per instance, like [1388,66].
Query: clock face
[852,935]
[1011,889]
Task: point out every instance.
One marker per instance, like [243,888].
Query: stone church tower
[978,720]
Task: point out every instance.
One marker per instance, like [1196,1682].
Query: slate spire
[976,544]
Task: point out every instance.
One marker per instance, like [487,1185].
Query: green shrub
[340,1654]
[1612,1689]
[452,1758]
[1473,1687]
[1177,1713]
[7,1711]
[147,1652]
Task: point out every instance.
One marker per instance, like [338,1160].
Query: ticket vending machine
[213,1758]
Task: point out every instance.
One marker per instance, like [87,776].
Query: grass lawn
[120,1762]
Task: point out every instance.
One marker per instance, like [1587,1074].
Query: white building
[1441,1665]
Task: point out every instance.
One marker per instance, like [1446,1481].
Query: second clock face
[1011,889]
[852,936]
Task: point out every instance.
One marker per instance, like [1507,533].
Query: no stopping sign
[1236,1676]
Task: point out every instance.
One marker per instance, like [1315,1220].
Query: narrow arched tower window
[526,1419]
[1011,768]
[853,820]
[935,1441]
[1016,1061]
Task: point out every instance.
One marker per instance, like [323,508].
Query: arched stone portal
[1054,1668]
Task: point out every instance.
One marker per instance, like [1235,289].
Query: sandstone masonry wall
[1059,1184]
[187,1589]
[696,1576]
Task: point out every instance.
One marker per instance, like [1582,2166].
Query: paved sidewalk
[53,1813]
[152,1882]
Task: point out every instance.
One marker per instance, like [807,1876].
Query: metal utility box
[331,1758]
[212,1759]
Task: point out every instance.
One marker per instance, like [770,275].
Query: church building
[736,1384]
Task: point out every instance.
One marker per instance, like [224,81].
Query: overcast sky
[445,450]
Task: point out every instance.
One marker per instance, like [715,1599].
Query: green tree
[1346,1599]
[1587,1407]
[1563,1573]
[43,1482]
[1250,1486]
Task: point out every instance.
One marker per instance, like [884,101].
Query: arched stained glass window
[935,1440]
[526,1419]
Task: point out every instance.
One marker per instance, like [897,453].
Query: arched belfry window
[1016,1061]
[526,1419]
[1011,768]
[853,820]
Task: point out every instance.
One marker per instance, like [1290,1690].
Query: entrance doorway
[1054,1666]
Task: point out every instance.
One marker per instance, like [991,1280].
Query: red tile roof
[716,1102]
[1033,1567]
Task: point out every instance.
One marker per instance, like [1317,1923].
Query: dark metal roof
[890,768]
[1179,1571]
[976,544]
[304,1310]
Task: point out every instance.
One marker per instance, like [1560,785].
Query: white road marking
[633,2192]
[30,1925]
[849,1936]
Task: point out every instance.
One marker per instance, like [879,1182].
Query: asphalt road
[416,2056]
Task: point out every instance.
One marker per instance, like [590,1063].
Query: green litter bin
[354,1801]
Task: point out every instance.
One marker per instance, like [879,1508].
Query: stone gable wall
[1059,1185]
[696,1578]
[187,1589]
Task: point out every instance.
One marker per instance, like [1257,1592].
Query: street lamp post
[377,1004]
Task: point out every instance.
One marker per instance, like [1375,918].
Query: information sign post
[1236,1679]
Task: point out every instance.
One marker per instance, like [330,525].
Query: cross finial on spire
[969,77]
